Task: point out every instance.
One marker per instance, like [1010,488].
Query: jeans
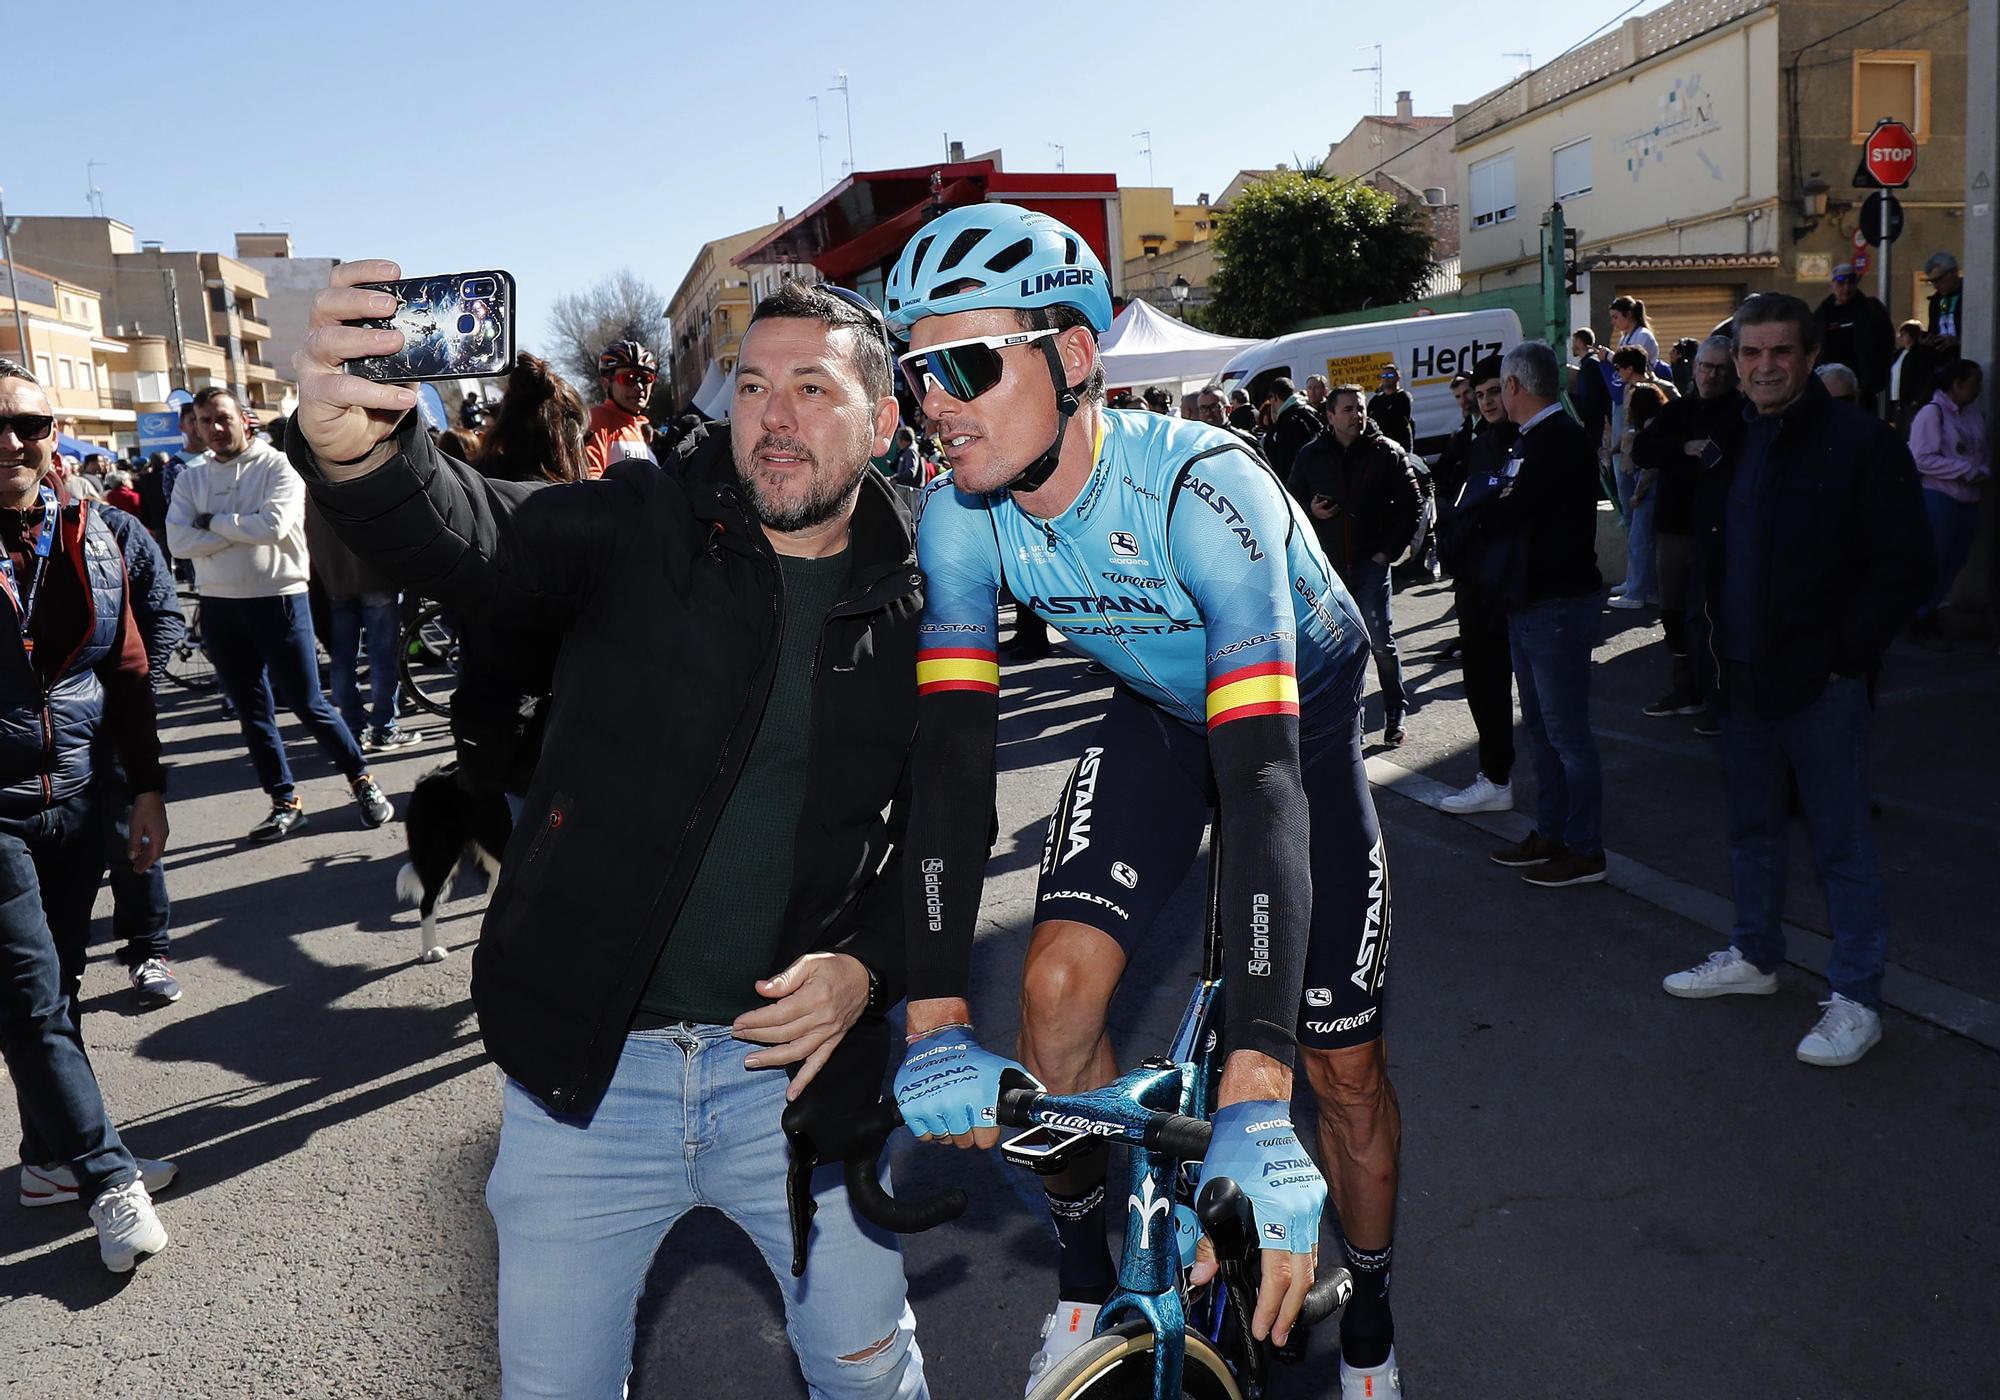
[1826,746]
[1551,643]
[1639,582]
[265,644]
[1489,694]
[582,1205]
[49,866]
[1369,585]
[1954,525]
[378,617]
[141,913]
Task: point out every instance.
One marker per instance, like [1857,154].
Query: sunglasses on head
[963,369]
[28,427]
[626,378]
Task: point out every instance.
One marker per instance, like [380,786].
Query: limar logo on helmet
[1061,277]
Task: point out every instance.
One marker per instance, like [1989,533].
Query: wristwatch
[873,1006]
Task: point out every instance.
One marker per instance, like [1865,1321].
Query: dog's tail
[409,884]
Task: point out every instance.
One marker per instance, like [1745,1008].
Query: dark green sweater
[727,932]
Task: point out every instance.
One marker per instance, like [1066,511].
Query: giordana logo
[1318,996]
[1124,874]
[1124,544]
[933,867]
[1260,935]
[1274,1231]
[1266,1126]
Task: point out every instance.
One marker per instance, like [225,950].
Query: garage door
[1675,312]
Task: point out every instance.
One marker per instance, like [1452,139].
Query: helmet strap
[1068,400]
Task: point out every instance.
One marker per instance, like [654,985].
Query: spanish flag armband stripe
[1271,688]
[957,668]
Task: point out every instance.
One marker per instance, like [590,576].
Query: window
[66,373]
[1492,183]
[1892,83]
[1572,169]
[84,378]
[218,298]
[44,371]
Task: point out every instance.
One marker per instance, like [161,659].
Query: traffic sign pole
[1882,290]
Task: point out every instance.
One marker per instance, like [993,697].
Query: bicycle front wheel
[430,659]
[1118,1365]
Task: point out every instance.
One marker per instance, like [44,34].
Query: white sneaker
[1844,1034]
[1481,795]
[1626,602]
[54,1186]
[127,1228]
[1384,1382]
[1065,1329]
[1727,973]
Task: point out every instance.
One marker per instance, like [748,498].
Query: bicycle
[188,665]
[428,657]
[1156,1339]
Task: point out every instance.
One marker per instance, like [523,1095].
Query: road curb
[1912,993]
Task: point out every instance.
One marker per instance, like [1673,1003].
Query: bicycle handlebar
[856,1142]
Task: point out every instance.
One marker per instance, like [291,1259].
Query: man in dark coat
[1855,331]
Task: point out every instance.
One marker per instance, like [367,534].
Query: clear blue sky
[564,141]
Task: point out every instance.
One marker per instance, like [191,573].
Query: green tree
[1303,244]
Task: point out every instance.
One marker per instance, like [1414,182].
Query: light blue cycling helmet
[995,255]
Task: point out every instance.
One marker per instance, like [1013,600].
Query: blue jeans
[1551,644]
[582,1205]
[1368,583]
[1640,580]
[265,644]
[1954,525]
[1826,745]
[378,617]
[49,867]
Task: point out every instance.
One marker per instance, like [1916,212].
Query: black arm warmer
[950,826]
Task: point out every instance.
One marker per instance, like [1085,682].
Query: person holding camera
[703,859]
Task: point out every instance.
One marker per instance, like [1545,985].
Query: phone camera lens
[477,288]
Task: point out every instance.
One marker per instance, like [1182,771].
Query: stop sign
[1890,155]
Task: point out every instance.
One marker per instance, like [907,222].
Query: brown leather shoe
[1569,868]
[1535,849]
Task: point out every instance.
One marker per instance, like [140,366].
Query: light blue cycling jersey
[1183,566]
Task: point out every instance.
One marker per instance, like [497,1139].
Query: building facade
[290,284]
[68,351]
[1705,151]
[199,313]
[711,307]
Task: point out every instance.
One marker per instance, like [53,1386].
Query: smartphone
[456,326]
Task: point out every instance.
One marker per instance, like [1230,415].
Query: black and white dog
[447,827]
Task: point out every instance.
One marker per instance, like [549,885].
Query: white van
[1428,349]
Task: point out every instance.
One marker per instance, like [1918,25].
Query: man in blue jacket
[1815,552]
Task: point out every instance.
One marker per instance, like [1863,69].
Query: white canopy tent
[711,400]
[1145,346]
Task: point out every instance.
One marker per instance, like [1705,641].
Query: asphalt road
[1606,1192]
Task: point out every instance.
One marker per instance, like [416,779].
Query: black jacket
[1661,445]
[1392,412]
[1548,514]
[1860,336]
[149,587]
[1846,551]
[1465,539]
[1293,429]
[1372,484]
[1591,397]
[666,592]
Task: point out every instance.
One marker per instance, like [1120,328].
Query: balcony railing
[114,398]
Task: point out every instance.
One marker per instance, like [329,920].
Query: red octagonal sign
[1891,155]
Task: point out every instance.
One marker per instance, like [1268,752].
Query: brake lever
[799,1197]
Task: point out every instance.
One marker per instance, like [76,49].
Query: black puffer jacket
[666,593]
[1845,555]
[1374,486]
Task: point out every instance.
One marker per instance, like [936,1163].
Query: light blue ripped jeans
[581,1208]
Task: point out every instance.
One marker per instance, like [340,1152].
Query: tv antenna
[840,86]
[1147,152]
[1057,147]
[92,195]
[1527,61]
[819,145]
[1376,69]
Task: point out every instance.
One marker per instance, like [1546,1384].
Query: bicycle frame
[1184,1082]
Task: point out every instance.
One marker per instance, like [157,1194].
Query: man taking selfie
[699,864]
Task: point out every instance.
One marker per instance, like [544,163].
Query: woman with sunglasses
[619,428]
[1169,553]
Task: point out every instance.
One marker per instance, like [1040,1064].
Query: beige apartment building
[711,308]
[190,319]
[68,352]
[1409,158]
[1706,150]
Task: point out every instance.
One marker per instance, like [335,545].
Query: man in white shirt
[239,514]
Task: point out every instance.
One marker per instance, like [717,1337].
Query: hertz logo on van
[1062,277]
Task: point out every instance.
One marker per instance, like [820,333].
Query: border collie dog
[447,828]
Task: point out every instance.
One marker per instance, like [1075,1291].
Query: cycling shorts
[1129,824]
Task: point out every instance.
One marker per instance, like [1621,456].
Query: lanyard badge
[45,542]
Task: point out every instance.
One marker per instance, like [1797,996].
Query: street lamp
[1181,290]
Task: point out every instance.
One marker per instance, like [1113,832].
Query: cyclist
[626,371]
[1168,552]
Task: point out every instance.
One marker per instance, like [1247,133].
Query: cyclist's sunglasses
[963,369]
[28,427]
[626,378]
[868,309]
